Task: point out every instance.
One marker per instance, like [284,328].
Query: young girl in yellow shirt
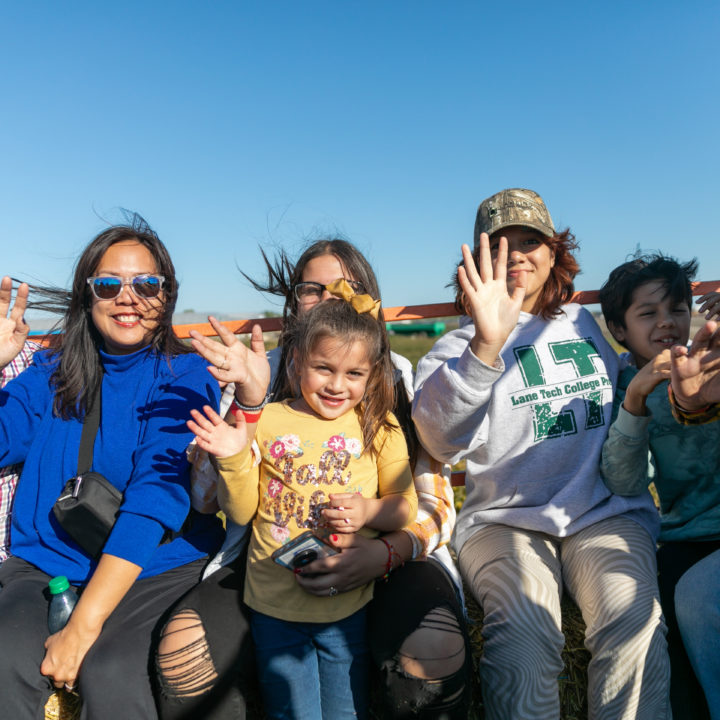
[329,456]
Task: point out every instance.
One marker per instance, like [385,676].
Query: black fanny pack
[87,509]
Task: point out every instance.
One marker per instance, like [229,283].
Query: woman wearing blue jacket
[117,345]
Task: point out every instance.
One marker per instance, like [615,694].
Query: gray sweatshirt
[531,429]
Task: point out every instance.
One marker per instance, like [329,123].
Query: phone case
[305,548]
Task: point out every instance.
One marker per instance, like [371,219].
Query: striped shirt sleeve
[9,474]
[435,519]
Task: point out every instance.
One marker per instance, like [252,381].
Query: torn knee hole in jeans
[184,666]
[410,696]
[435,650]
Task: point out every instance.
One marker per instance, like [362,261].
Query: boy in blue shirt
[646,303]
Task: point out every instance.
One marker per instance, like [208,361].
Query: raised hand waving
[13,328]
[494,311]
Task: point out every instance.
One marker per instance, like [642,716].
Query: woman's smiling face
[126,323]
[528,251]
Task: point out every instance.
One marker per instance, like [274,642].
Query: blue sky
[230,125]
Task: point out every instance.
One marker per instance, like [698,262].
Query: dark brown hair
[78,374]
[283,275]
[616,294]
[338,320]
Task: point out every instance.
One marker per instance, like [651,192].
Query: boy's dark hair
[616,295]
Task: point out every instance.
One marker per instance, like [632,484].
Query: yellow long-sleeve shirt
[303,459]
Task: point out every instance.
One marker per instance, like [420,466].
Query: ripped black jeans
[210,677]
[419,600]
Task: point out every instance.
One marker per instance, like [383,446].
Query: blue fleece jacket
[139,448]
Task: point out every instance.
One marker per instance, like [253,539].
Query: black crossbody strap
[89,431]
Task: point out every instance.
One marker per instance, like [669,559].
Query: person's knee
[625,617]
[694,605]
[430,675]
[106,676]
[436,649]
[532,622]
[184,665]
[27,643]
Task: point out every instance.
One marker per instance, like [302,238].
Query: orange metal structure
[401,312]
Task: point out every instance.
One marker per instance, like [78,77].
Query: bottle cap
[58,584]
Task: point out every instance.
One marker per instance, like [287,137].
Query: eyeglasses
[108,288]
[308,290]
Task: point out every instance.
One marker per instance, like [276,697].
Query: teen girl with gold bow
[328,455]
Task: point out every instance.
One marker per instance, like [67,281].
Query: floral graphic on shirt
[285,445]
[338,443]
[274,488]
[291,443]
[279,534]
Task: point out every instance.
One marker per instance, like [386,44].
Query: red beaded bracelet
[391,553]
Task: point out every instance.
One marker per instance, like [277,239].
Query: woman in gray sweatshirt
[522,392]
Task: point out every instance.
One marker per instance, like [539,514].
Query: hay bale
[62,705]
[573,679]
[572,682]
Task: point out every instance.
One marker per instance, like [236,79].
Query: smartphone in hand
[301,551]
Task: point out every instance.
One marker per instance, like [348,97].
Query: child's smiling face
[654,321]
[333,377]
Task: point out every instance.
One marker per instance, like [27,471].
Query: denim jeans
[697,604]
[309,671]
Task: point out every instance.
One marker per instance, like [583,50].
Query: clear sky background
[230,125]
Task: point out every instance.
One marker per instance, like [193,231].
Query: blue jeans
[697,604]
[309,671]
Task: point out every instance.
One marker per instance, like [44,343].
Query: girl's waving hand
[215,436]
[232,361]
[494,311]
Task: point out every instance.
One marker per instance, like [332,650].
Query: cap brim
[542,229]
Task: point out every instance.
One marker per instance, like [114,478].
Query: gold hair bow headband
[340,288]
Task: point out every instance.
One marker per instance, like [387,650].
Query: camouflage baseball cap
[514,206]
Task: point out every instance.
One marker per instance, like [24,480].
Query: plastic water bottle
[62,603]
